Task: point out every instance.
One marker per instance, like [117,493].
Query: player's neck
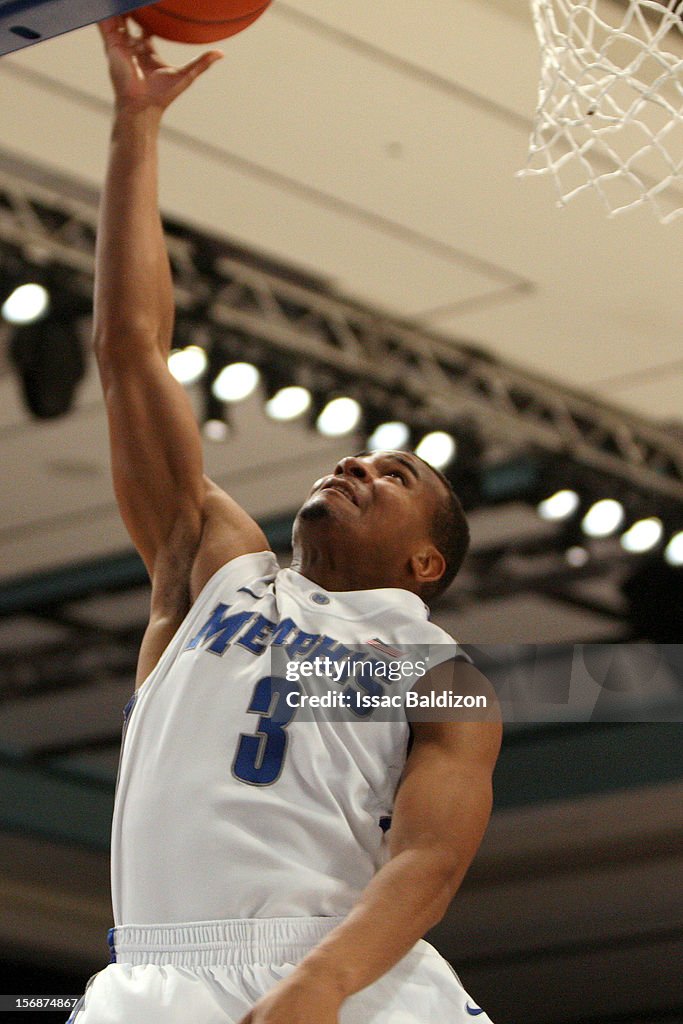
[348,573]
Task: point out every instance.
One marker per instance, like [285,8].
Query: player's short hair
[451,534]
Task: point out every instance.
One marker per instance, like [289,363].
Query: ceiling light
[187,364]
[673,553]
[437,448]
[26,304]
[558,506]
[288,403]
[643,535]
[389,437]
[236,382]
[576,556]
[340,416]
[603,518]
[215,430]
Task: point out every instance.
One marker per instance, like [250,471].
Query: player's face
[384,497]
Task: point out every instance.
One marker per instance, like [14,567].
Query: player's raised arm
[172,512]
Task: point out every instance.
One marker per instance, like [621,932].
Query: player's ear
[428,564]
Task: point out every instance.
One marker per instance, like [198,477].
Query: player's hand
[141,79]
[296,1001]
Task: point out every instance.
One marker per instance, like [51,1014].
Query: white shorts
[212,972]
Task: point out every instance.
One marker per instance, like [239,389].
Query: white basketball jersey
[221,812]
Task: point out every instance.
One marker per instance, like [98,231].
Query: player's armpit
[228,532]
[183,566]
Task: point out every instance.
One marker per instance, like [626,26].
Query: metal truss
[445,379]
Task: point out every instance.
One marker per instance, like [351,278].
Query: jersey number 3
[260,757]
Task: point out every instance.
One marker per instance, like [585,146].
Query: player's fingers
[114,32]
[145,44]
[141,36]
[111,27]
[199,65]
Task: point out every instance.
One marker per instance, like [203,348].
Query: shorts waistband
[273,940]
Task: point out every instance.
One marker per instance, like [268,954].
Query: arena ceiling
[374,149]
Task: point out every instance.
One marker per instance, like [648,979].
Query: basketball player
[252,881]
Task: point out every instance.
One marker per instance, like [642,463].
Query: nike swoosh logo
[473,1011]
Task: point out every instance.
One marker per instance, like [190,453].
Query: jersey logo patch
[385,648]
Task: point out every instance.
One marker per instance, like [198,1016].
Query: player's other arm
[442,808]
[183,525]
[441,811]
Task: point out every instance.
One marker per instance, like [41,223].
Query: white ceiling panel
[473,44]
[578,331]
[661,390]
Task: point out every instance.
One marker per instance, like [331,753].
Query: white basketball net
[610,105]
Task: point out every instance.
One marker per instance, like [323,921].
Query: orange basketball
[199,21]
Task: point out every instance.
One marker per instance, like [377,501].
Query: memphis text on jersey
[321,657]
